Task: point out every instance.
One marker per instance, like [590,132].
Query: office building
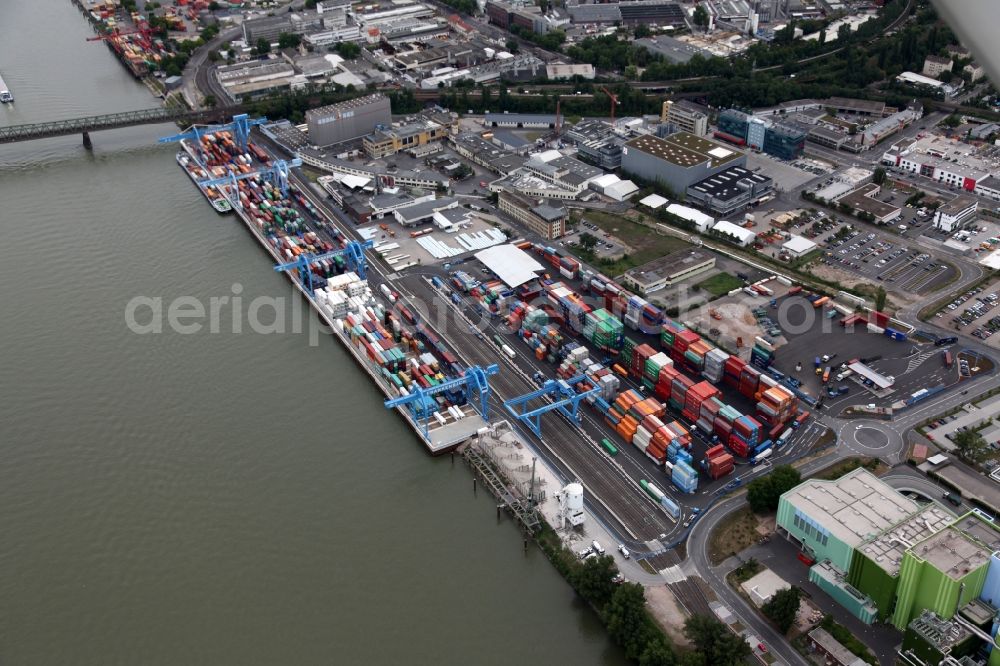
[955,214]
[685,116]
[348,120]
[679,160]
[784,141]
[730,190]
[547,220]
[667,271]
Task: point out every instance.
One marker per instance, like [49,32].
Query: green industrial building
[887,558]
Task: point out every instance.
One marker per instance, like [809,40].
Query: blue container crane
[421,403]
[353,253]
[240,127]
[277,172]
[565,399]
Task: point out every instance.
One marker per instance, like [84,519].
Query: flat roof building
[667,271]
[863,107]
[670,49]
[864,199]
[798,246]
[678,160]
[348,120]
[956,213]
[730,190]
[544,219]
[520,120]
[685,116]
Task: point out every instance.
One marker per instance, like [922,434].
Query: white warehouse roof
[621,190]
[799,245]
[694,215]
[745,236]
[511,264]
[546,156]
[653,201]
[606,180]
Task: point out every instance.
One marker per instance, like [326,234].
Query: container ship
[385,336]
[200,176]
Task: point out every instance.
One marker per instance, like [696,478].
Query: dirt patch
[733,534]
[846,280]
[663,606]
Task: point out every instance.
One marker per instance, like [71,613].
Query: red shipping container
[714,451]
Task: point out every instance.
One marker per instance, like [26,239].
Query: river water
[213,498]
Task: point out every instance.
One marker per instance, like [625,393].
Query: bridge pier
[87,143]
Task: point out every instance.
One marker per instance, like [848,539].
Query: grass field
[732,535]
[646,243]
[721,283]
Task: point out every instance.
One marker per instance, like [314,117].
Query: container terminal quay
[450,369]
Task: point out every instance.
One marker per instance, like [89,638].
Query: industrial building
[679,160]
[244,80]
[596,141]
[865,199]
[885,557]
[730,190]
[672,50]
[785,141]
[348,120]
[667,271]
[685,116]
[798,246]
[520,120]
[955,214]
[733,233]
[417,135]
[953,163]
[921,81]
[544,219]
[506,15]
[423,211]
[859,107]
[563,71]
[270,27]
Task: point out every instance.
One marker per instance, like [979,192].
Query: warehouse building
[733,233]
[679,160]
[543,218]
[864,199]
[730,191]
[520,120]
[667,271]
[885,557]
[348,120]
[414,135]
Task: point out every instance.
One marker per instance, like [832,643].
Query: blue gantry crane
[240,127]
[565,399]
[277,172]
[353,253]
[422,405]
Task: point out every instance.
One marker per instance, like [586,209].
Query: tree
[512,45]
[210,101]
[628,623]
[783,607]
[763,493]
[880,298]
[972,448]
[348,50]
[593,579]
[700,16]
[953,121]
[287,40]
[262,46]
[946,76]
[588,241]
[231,53]
[717,644]
[214,6]
[879,176]
[642,30]
[657,653]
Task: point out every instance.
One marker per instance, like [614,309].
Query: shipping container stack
[694,355]
[762,354]
[694,397]
[568,267]
[715,361]
[776,405]
[570,305]
[682,341]
[637,364]
[604,331]
[463,282]
[732,369]
[651,370]
[684,477]
[718,462]
[494,296]
[744,436]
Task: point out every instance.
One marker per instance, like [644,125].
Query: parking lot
[607,247]
[810,335]
[787,175]
[975,313]
[901,268]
